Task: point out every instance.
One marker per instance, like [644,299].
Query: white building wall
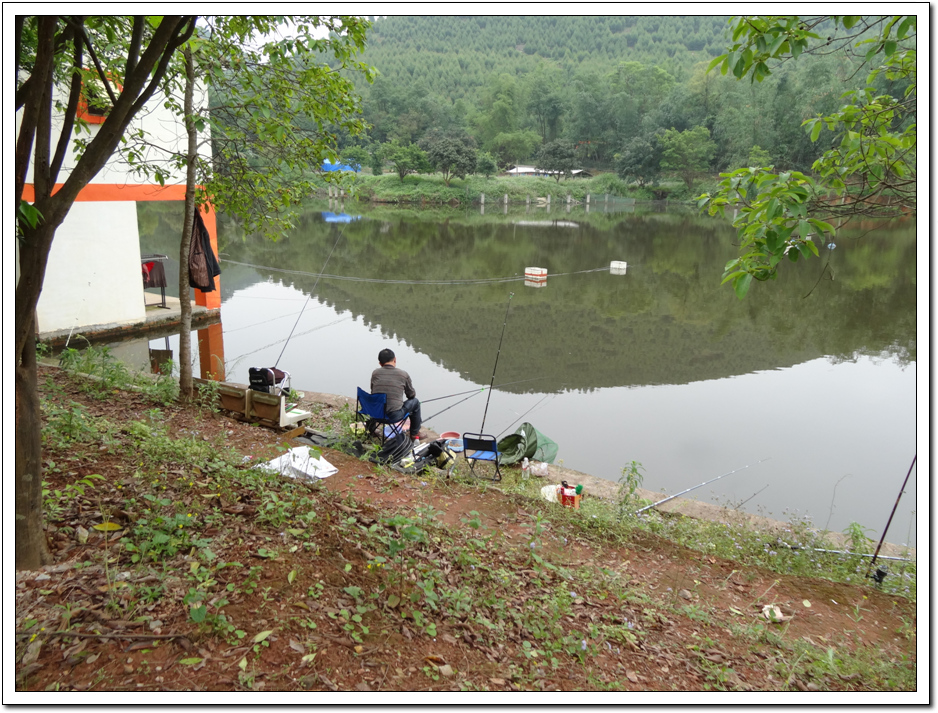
[162,128]
[93,278]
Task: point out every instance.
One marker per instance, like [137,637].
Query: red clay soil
[119,640]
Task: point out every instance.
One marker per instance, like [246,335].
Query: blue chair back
[372,405]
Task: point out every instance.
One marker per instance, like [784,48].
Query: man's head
[385,356]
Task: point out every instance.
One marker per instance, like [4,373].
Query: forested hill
[455,55]
[630,94]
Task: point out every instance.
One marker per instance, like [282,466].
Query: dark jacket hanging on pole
[203,266]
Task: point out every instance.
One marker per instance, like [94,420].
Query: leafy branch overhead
[274,111]
[870,169]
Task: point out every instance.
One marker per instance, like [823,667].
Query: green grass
[430,189]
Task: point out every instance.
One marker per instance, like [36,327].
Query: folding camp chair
[372,408]
[479,447]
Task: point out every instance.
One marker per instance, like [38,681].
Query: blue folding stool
[480,447]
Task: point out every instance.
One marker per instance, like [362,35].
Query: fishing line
[525,413]
[504,324]
[267,346]
[713,480]
[334,245]
[473,391]
[479,281]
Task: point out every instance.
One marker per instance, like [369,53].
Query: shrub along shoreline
[388,188]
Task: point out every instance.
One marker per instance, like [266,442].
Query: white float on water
[617,267]
[535,277]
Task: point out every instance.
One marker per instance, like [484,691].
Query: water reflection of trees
[667,321]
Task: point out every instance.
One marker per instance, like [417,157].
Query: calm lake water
[810,381]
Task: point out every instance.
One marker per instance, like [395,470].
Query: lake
[807,388]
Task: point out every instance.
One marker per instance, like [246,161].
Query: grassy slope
[263,581]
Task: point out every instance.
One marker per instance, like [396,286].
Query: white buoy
[617,267]
[535,277]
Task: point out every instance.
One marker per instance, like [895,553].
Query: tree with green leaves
[558,158]
[640,160]
[355,156]
[405,159]
[515,146]
[275,111]
[452,157]
[485,164]
[870,169]
[687,152]
[130,57]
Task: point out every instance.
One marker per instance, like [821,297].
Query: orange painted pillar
[211,300]
[212,352]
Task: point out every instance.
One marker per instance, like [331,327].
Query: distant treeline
[629,94]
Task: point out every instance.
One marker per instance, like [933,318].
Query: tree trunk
[185,325]
[32,550]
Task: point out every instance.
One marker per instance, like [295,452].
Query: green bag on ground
[526,442]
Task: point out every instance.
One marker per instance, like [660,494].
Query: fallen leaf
[449,639]
[243,663]
[190,662]
[497,681]
[263,635]
[806,603]
[393,601]
[82,534]
[435,660]
[297,646]
[632,676]
[447,671]
[358,649]
[107,527]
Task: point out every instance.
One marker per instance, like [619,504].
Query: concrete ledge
[159,321]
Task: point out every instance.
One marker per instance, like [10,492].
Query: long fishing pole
[475,391]
[329,257]
[504,324]
[712,480]
[889,522]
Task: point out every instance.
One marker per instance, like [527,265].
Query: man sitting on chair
[396,385]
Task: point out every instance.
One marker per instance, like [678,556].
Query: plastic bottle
[525,469]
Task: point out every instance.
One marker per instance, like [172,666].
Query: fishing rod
[712,480]
[881,572]
[329,257]
[848,552]
[474,391]
[525,413]
[489,398]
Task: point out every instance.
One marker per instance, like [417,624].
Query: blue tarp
[330,217]
[327,165]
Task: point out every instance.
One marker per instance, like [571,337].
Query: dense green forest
[629,94]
